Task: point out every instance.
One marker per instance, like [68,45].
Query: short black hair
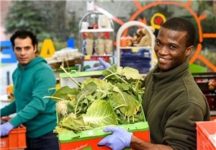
[24,34]
[181,24]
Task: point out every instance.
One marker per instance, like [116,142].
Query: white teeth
[162,59]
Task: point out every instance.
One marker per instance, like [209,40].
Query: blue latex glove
[5,128]
[103,65]
[118,140]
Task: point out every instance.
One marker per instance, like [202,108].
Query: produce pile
[65,57]
[116,99]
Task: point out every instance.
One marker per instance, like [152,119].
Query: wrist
[139,144]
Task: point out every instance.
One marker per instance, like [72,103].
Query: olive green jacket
[173,103]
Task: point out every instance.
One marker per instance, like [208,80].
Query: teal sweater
[172,104]
[31,83]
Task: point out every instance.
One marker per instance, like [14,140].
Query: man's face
[170,48]
[24,50]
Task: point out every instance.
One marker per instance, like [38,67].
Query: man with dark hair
[32,79]
[23,34]
[173,102]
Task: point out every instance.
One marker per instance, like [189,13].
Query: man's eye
[172,47]
[17,49]
[157,43]
[27,48]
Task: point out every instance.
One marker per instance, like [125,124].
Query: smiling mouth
[163,60]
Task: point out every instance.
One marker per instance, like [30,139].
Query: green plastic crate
[88,139]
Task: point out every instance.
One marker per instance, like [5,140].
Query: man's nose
[163,50]
[22,52]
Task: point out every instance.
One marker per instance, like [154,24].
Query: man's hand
[118,140]
[5,128]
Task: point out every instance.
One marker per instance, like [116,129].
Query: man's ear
[188,50]
[35,48]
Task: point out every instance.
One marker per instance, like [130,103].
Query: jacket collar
[172,74]
[33,62]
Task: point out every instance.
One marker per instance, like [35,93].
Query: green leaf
[85,91]
[126,103]
[65,134]
[100,113]
[65,92]
[123,86]
[109,70]
[101,84]
[73,122]
[130,73]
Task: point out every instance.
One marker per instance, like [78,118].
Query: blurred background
[59,20]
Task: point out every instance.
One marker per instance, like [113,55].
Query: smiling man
[172,102]
[32,79]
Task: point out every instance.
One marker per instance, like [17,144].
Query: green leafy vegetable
[115,99]
[100,113]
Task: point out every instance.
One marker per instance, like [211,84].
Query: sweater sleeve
[44,81]
[180,129]
[8,110]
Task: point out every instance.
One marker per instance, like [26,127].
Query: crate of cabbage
[115,99]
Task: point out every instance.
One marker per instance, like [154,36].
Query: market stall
[88,99]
